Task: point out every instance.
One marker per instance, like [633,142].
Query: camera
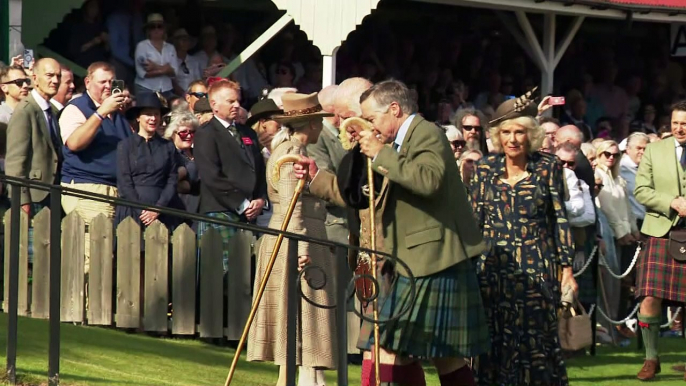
[118,86]
[28,58]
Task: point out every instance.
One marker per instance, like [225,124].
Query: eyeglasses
[19,82]
[607,154]
[186,135]
[568,164]
[184,68]
[156,26]
[458,143]
[198,94]
[470,128]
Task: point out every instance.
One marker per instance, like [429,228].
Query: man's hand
[113,103]
[147,217]
[679,205]
[627,239]
[306,168]
[213,70]
[254,209]
[369,144]
[17,61]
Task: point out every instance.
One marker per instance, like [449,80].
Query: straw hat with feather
[300,107]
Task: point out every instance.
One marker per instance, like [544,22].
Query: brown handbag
[677,244]
[574,329]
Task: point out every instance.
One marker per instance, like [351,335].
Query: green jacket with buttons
[659,180]
[427,220]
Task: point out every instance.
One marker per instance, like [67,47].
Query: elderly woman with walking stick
[302,124]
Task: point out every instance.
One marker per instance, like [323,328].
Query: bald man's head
[347,97]
[569,134]
[46,77]
[326,99]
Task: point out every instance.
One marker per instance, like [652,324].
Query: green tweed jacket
[658,182]
[427,220]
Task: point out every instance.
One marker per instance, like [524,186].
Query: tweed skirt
[658,275]
[447,319]
[226,232]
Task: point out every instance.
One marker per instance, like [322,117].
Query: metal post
[5,31]
[548,53]
[329,69]
[13,285]
[291,318]
[342,313]
[55,284]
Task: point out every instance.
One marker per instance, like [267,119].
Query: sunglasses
[198,94]
[468,161]
[569,164]
[607,154]
[184,68]
[186,135]
[458,143]
[156,26]
[470,128]
[19,82]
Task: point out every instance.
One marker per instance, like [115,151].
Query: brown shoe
[679,368]
[625,331]
[650,368]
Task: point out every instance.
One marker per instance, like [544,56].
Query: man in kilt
[660,187]
[427,223]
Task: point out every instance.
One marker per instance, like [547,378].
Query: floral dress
[529,239]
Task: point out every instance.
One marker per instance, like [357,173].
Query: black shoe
[355,359]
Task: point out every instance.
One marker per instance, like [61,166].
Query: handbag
[676,246]
[574,329]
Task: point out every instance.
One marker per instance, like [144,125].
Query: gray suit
[31,153]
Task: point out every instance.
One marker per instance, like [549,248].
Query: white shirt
[402,131]
[57,104]
[43,104]
[5,113]
[194,71]
[575,204]
[628,169]
[146,51]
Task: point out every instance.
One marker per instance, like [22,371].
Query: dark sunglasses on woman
[458,143]
[185,135]
[607,154]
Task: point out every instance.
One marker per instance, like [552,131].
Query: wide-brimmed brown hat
[300,107]
[265,108]
[524,106]
[154,18]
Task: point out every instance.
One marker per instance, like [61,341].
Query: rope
[588,263]
[628,270]
[604,315]
[670,321]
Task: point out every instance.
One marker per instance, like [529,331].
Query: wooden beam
[256,45]
[567,40]
[548,53]
[329,69]
[533,41]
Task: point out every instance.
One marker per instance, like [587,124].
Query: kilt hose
[658,275]
[447,320]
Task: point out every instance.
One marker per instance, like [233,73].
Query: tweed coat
[316,333]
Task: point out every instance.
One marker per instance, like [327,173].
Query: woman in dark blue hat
[146,165]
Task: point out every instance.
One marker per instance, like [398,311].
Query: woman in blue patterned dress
[517,195]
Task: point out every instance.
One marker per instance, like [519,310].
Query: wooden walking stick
[365,125]
[270,265]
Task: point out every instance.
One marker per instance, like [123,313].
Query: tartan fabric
[658,275]
[226,232]
[447,319]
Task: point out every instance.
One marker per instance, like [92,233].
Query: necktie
[234,133]
[395,146]
[682,161]
[52,127]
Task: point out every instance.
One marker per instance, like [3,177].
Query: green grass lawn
[98,356]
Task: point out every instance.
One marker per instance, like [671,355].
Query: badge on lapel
[247,141]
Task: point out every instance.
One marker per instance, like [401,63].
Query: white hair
[452,133]
[180,119]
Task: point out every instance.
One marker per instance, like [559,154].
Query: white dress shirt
[402,131]
[146,51]
[679,150]
[628,169]
[57,105]
[43,104]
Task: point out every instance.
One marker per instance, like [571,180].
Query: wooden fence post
[156,273]
[128,274]
[211,285]
[100,272]
[73,260]
[238,295]
[40,285]
[184,273]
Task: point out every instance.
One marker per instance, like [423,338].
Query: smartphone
[557,101]
[28,58]
[118,86]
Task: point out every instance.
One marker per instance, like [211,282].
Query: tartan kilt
[658,275]
[447,320]
[226,232]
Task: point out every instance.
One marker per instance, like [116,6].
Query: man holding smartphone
[92,126]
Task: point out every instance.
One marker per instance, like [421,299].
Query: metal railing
[344,283]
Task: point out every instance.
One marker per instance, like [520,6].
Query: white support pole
[567,40]
[533,41]
[256,45]
[329,69]
[548,72]
[15,45]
